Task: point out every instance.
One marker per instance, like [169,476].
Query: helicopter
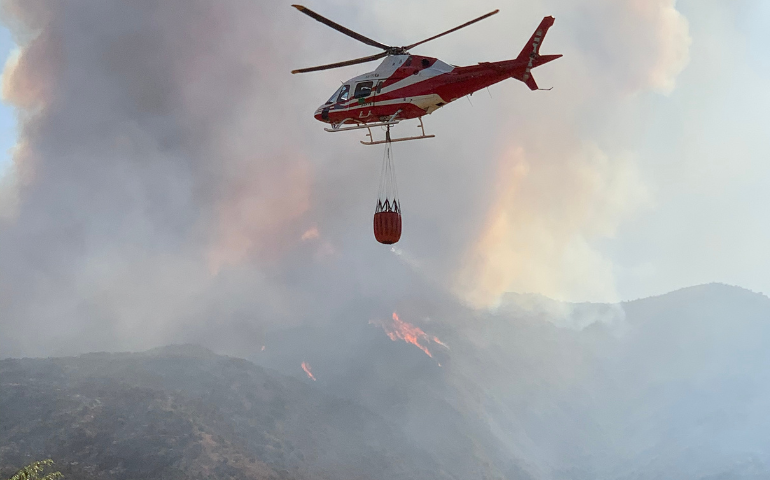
[406,86]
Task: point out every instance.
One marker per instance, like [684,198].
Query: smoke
[169,183]
[147,165]
[562,182]
[537,236]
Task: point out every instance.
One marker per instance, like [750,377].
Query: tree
[36,471]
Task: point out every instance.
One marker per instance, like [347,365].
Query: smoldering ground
[169,183]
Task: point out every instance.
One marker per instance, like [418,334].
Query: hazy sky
[705,152]
[169,171]
[7,119]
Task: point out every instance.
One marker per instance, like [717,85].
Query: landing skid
[339,127]
[393,120]
[393,140]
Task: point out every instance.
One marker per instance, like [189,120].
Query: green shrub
[36,471]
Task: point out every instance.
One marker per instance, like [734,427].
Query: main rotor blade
[350,33]
[409,47]
[342,64]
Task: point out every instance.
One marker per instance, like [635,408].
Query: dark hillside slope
[183,412]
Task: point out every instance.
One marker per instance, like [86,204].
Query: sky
[7,118]
[168,181]
[704,151]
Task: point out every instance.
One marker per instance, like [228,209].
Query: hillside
[540,389]
[675,386]
[183,412]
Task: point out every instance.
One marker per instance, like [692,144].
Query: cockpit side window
[344,94]
[363,89]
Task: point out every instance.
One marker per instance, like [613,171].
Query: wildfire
[435,339]
[401,330]
[306,368]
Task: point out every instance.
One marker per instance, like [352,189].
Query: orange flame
[306,368]
[401,330]
[435,339]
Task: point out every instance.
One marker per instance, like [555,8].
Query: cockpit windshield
[333,97]
[340,95]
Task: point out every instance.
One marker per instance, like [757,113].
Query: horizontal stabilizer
[543,59]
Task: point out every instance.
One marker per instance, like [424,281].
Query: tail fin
[531,53]
[532,48]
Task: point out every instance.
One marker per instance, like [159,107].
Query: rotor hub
[398,51]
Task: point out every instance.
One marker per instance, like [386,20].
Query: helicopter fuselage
[410,86]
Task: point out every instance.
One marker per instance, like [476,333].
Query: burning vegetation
[401,330]
[306,368]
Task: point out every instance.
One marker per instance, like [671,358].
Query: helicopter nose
[321,115]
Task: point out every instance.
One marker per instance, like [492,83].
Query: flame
[306,368]
[436,340]
[401,330]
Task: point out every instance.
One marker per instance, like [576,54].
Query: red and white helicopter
[406,86]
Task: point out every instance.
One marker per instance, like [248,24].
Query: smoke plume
[169,183]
